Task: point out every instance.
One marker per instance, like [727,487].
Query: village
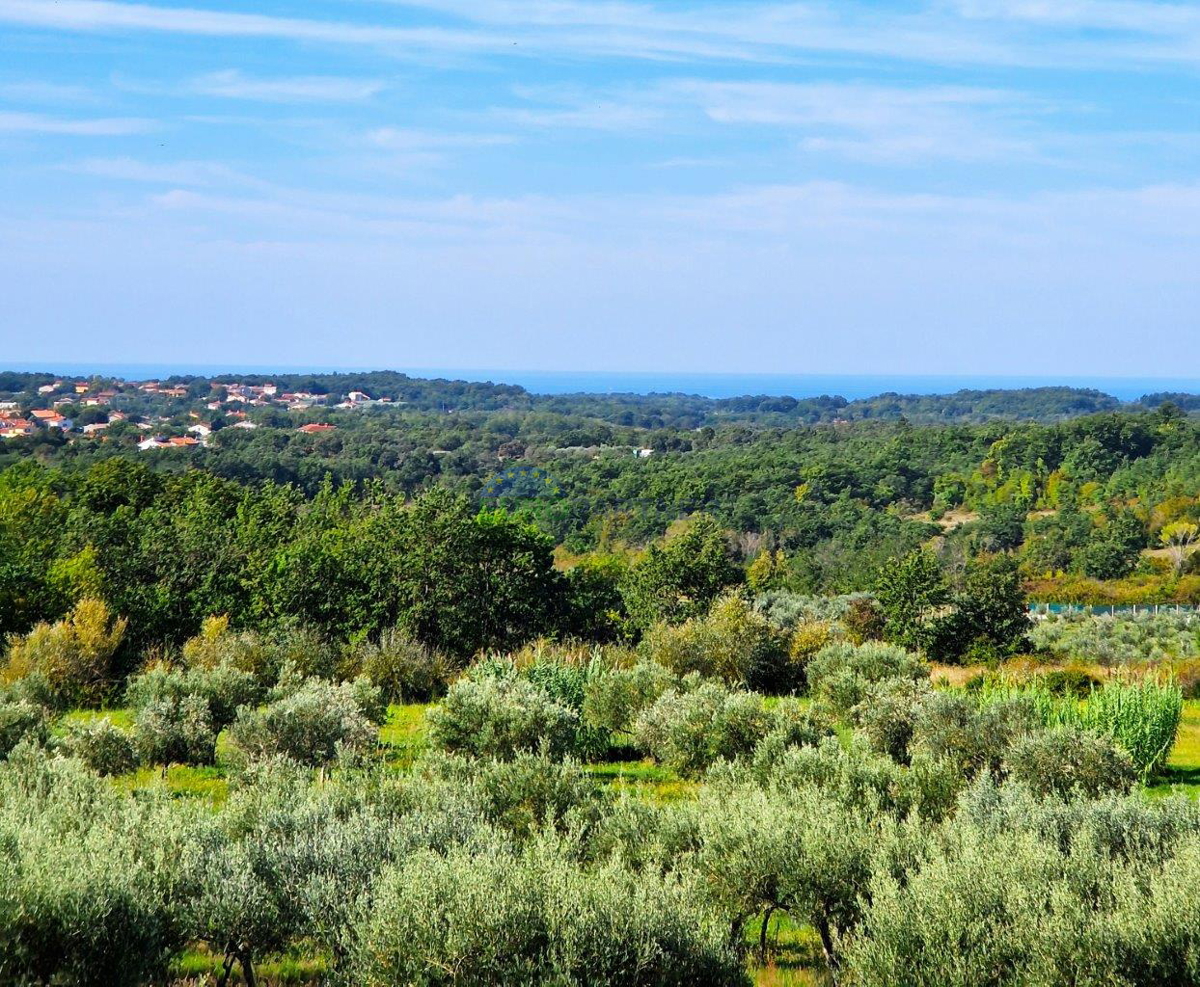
[88,409]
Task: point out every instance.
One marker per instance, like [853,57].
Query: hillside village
[170,415]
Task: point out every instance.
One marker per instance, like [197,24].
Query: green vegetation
[765,705]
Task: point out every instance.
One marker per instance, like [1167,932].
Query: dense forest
[273,522]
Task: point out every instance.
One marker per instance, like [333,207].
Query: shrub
[21,720]
[73,656]
[732,641]
[951,726]
[690,731]
[312,725]
[404,669]
[1064,761]
[88,878]
[613,697]
[493,917]
[840,675]
[223,688]
[888,714]
[101,745]
[499,717]
[523,796]
[218,646]
[1075,682]
[175,731]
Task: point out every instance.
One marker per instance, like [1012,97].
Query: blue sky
[958,186]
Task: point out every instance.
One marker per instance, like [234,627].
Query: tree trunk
[247,965]
[831,958]
[762,936]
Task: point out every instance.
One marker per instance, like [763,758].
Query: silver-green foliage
[841,674]
[689,731]
[502,917]
[101,745]
[313,724]
[88,878]
[500,716]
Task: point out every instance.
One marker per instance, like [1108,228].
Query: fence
[1044,609]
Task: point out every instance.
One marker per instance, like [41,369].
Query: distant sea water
[713,385]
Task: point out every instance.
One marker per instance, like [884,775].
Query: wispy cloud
[874,122]
[188,173]
[36,123]
[970,32]
[41,91]
[232,84]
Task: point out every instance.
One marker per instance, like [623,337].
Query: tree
[680,578]
[911,592]
[1178,537]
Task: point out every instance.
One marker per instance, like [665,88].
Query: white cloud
[753,32]
[232,84]
[36,123]
[190,173]
[402,139]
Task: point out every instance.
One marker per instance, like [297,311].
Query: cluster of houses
[229,400]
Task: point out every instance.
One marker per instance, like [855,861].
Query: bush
[175,731]
[690,731]
[402,668]
[888,715]
[523,796]
[1141,716]
[953,727]
[223,688]
[538,918]
[840,675]
[218,646]
[732,642]
[101,745]
[1075,682]
[21,720]
[73,656]
[500,716]
[313,725]
[1067,761]
[614,697]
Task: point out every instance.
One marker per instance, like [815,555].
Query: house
[9,406]
[42,414]
[203,431]
[82,387]
[50,388]
[243,424]
[184,441]
[154,442]
[644,453]
[315,428]
[94,428]
[356,396]
[12,428]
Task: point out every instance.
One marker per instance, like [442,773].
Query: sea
[712,385]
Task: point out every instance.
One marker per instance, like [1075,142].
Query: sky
[943,187]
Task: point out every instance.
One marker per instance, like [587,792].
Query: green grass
[179,781]
[794,957]
[644,779]
[402,735]
[1182,774]
[120,716]
[292,968]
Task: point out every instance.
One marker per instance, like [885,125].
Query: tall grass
[1141,716]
